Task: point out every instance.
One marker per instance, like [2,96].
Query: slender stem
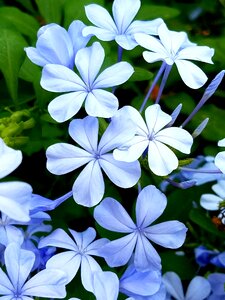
[163,82]
[161,70]
[200,171]
[120,53]
[195,110]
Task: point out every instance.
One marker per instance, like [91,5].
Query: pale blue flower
[89,187]
[153,137]
[217,281]
[121,27]
[220,157]
[89,86]
[55,45]
[175,48]
[198,289]
[212,201]
[151,203]
[80,250]
[15,285]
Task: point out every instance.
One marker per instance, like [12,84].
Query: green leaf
[23,22]
[141,74]
[149,12]
[74,10]
[51,10]
[11,57]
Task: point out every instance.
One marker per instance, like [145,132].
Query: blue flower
[88,87]
[120,28]
[151,203]
[55,45]
[105,285]
[175,48]
[49,283]
[89,187]
[220,157]
[217,284]
[198,289]
[81,248]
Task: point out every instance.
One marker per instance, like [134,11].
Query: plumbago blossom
[151,203]
[89,187]
[154,136]
[121,27]
[175,48]
[81,248]
[48,283]
[212,201]
[55,45]
[220,157]
[89,86]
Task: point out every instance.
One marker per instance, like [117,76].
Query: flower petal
[191,74]
[151,43]
[56,78]
[106,285]
[100,103]
[88,61]
[83,239]
[200,53]
[63,158]
[219,188]
[173,285]
[89,187]
[177,138]
[210,201]
[88,267]
[220,161]
[118,252]
[85,132]
[161,159]
[114,75]
[170,234]
[122,174]
[68,262]
[5,285]
[124,12]
[64,107]
[149,27]
[75,33]
[198,289]
[100,17]
[151,203]
[111,215]
[10,159]
[156,119]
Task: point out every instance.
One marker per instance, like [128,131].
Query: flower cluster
[114,144]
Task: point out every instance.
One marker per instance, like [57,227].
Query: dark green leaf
[23,22]
[141,74]
[11,57]
[149,12]
[51,10]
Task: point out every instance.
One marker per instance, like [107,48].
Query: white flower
[220,157]
[152,136]
[174,47]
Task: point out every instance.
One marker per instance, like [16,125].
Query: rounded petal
[100,17]
[122,174]
[191,74]
[124,12]
[75,32]
[198,289]
[88,267]
[85,133]
[151,203]
[221,143]
[106,285]
[111,215]
[220,161]
[83,239]
[56,78]
[10,159]
[68,262]
[64,107]
[118,252]
[63,158]
[200,53]
[126,41]
[100,103]
[149,27]
[156,119]
[89,187]
[6,286]
[114,75]
[101,33]
[219,188]
[162,161]
[88,61]
[150,43]
[210,201]
[170,234]
[152,57]
[177,138]
[173,285]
